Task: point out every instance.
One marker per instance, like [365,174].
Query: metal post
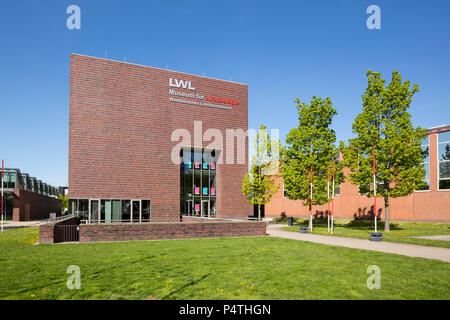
[332,205]
[2,195]
[374,192]
[328,196]
[311,207]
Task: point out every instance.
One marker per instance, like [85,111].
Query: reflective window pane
[444,151]
[145,210]
[426,167]
[425,185]
[444,184]
[426,140]
[444,137]
[425,153]
[115,211]
[444,169]
[126,210]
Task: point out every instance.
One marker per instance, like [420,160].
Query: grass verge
[220,268]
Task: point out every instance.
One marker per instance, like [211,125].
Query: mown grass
[399,231]
[220,268]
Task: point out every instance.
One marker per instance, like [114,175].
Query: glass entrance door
[94,208]
[205,208]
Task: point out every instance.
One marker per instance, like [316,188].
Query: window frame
[429,166]
[438,162]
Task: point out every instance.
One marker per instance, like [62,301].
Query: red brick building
[431,204]
[145,143]
[27,198]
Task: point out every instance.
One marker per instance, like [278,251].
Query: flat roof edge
[438,128]
[141,65]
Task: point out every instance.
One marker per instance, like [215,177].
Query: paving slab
[410,250]
[443,237]
[22,224]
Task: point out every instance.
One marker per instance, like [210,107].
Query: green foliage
[64,201]
[384,127]
[258,185]
[311,144]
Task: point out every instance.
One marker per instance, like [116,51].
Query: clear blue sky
[281,49]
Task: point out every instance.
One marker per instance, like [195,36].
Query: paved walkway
[21,224]
[444,237]
[411,250]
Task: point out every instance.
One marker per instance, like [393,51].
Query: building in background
[26,198]
[430,204]
[63,190]
[124,125]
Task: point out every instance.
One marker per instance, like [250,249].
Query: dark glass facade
[198,182]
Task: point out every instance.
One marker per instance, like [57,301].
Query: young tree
[384,128]
[64,202]
[310,145]
[258,185]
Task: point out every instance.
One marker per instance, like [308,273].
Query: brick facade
[173,230]
[432,205]
[33,206]
[120,127]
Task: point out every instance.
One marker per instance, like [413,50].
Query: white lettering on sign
[180,84]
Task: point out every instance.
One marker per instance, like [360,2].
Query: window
[284,191]
[145,210]
[337,190]
[426,164]
[198,182]
[444,160]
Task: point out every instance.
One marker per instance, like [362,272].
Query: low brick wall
[198,219]
[170,230]
[47,231]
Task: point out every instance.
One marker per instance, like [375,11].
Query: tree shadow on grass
[91,276]
[194,282]
[363,220]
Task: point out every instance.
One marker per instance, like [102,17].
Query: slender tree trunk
[259,212]
[387,219]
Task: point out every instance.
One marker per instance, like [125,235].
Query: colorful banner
[196,165]
[205,191]
[213,191]
[188,165]
[197,207]
[213,165]
[205,165]
[197,190]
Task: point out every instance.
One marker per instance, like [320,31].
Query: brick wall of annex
[33,206]
[432,205]
[120,126]
[174,230]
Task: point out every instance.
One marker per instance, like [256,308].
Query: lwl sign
[180,84]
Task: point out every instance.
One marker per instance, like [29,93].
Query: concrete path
[443,237]
[411,250]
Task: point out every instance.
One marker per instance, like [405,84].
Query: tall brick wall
[173,230]
[33,206]
[120,126]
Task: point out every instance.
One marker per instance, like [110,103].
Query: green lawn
[400,231]
[221,268]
